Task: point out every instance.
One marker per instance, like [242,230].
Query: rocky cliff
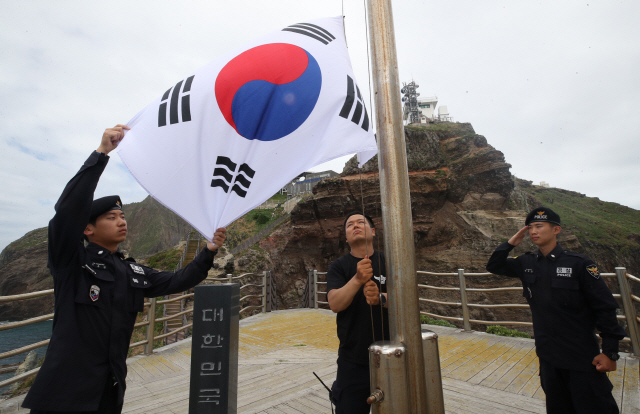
[23,263]
[464,203]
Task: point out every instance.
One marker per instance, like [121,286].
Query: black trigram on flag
[224,179]
[173,108]
[352,89]
[311,30]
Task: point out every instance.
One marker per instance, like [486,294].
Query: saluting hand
[218,238]
[519,236]
[364,271]
[111,138]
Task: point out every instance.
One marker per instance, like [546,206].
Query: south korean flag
[225,138]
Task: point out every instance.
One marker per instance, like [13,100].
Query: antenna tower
[410,99]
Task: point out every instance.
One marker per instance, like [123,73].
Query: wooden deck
[279,352]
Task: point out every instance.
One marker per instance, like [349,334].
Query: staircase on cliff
[191,249]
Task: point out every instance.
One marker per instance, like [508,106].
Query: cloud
[560,73]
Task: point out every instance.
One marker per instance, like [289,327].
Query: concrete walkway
[279,352]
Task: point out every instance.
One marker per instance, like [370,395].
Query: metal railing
[268,303]
[621,275]
[311,292]
[169,299]
[626,296]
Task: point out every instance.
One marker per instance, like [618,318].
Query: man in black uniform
[354,283]
[568,300]
[98,294]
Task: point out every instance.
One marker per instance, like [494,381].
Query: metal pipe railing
[629,310]
[626,296]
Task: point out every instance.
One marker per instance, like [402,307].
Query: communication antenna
[410,99]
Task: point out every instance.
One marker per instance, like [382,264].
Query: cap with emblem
[103,205]
[542,214]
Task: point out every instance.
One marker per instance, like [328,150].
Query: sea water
[19,337]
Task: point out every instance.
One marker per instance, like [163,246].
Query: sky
[553,85]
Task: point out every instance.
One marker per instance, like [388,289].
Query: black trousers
[108,402]
[351,388]
[576,392]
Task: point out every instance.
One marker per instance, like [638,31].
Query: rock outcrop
[30,362]
[464,203]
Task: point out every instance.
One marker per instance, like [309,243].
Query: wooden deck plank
[493,397]
[276,377]
[617,380]
[464,356]
[515,371]
[480,361]
[631,391]
[514,359]
[499,358]
[540,395]
[530,379]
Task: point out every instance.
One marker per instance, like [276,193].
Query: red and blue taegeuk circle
[267,92]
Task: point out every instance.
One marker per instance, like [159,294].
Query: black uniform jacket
[356,322]
[568,300]
[97,298]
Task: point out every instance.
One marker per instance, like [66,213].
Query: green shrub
[165,260]
[440,322]
[502,331]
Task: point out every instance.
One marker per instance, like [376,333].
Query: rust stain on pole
[404,321]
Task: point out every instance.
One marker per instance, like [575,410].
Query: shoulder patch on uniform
[593,271]
[137,269]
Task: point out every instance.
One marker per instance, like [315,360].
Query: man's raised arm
[500,263]
[74,205]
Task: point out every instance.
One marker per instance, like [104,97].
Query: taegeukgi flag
[230,135]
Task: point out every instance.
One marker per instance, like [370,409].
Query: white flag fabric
[230,135]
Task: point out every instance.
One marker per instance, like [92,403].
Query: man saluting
[98,294]
[568,300]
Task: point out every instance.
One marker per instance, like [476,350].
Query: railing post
[268,298]
[463,300]
[315,289]
[629,311]
[273,292]
[264,291]
[151,317]
[230,276]
[309,289]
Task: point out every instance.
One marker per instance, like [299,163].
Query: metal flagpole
[404,311]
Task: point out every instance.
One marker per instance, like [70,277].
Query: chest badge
[94,292]
[137,269]
[564,271]
[99,265]
[593,271]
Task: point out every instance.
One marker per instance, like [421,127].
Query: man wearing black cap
[98,294]
[568,301]
[354,282]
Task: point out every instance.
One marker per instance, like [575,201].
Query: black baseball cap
[103,205]
[544,214]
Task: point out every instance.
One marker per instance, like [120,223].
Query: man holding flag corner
[98,294]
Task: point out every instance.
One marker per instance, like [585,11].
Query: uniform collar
[553,254]
[101,251]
